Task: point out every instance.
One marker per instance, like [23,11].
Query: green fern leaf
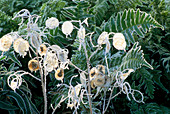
[134,59]
[132,21]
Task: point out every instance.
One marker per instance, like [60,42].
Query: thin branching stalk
[89,88]
[43,85]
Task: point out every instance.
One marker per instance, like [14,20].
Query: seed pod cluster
[97,76]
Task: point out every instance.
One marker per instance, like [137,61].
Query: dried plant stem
[43,85]
[89,88]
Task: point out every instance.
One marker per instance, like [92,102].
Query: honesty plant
[46,58]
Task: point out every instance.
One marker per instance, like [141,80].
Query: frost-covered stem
[89,88]
[104,102]
[107,65]
[77,67]
[45,93]
[42,84]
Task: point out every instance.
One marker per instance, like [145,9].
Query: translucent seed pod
[99,81]
[119,41]
[21,46]
[82,78]
[52,23]
[102,38]
[59,74]
[33,65]
[93,72]
[81,33]
[42,49]
[14,85]
[67,28]
[6,42]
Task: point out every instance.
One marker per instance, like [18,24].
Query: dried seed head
[101,69]
[59,74]
[102,38]
[52,23]
[99,81]
[119,41]
[67,28]
[5,42]
[77,89]
[50,61]
[42,49]
[21,46]
[93,72]
[33,65]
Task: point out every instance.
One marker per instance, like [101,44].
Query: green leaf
[11,55]
[7,106]
[2,58]
[134,59]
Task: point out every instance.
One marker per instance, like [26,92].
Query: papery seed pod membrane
[99,81]
[6,42]
[52,23]
[108,46]
[35,40]
[125,75]
[83,79]
[33,65]
[67,28]
[59,74]
[13,85]
[62,55]
[93,73]
[92,84]
[71,105]
[101,69]
[102,38]
[42,49]
[81,33]
[77,90]
[21,46]
[119,41]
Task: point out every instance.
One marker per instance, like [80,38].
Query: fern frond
[134,59]
[132,21]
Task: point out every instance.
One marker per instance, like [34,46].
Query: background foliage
[155,44]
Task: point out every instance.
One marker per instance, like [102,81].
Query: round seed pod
[5,42]
[99,81]
[81,33]
[102,38]
[67,28]
[93,72]
[59,74]
[101,69]
[33,65]
[42,49]
[119,41]
[52,23]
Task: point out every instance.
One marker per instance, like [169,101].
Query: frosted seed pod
[42,49]
[52,23]
[93,72]
[81,33]
[125,75]
[5,42]
[50,61]
[77,90]
[21,46]
[99,81]
[101,69]
[33,65]
[119,41]
[102,38]
[83,78]
[62,55]
[13,85]
[67,28]
[108,46]
[35,40]
[59,74]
